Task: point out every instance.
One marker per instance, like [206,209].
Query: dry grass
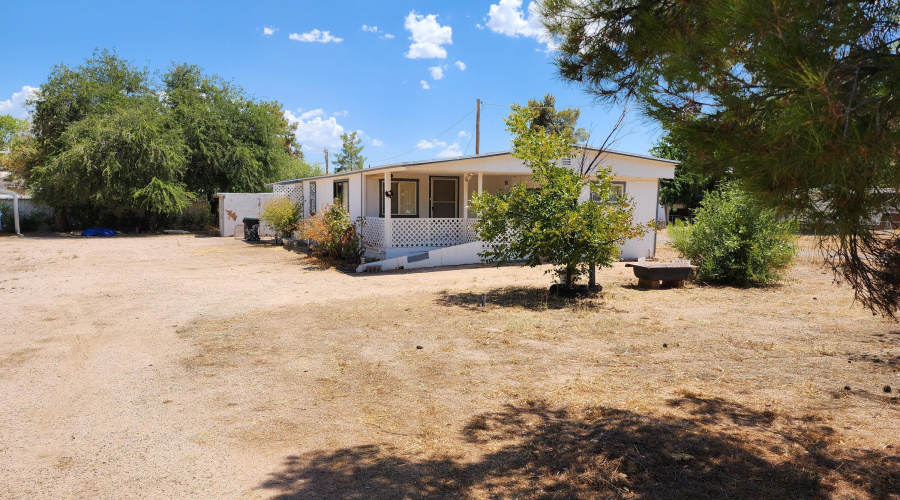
[683,393]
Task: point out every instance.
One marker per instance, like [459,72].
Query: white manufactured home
[417,214]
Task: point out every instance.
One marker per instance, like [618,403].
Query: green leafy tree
[553,120]
[12,133]
[234,143]
[690,185]
[100,87]
[797,99]
[130,158]
[10,127]
[556,223]
[350,157]
[736,241]
[105,137]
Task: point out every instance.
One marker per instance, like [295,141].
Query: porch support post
[387,210]
[465,196]
[480,181]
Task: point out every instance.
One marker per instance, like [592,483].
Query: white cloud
[15,105]
[428,36]
[370,29]
[451,152]
[313,132]
[377,143]
[461,65]
[437,72]
[269,31]
[340,113]
[423,144]
[306,115]
[316,36]
[507,18]
[463,135]
[388,36]
[424,85]
[479,26]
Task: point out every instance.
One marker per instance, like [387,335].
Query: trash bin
[251,229]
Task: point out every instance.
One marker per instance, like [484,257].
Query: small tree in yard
[736,241]
[282,215]
[554,223]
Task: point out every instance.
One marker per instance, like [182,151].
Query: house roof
[456,159]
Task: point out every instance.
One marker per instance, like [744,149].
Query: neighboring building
[429,222]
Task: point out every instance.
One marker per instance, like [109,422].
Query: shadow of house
[720,450]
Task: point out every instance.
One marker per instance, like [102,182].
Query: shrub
[27,222]
[282,215]
[735,241]
[334,234]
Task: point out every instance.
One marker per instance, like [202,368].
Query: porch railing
[410,233]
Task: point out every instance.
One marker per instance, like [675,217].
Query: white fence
[293,191]
[410,233]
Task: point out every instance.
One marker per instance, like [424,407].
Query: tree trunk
[62,218]
[592,275]
[569,277]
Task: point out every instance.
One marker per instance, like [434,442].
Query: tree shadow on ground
[531,298]
[719,450]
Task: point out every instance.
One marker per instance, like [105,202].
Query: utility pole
[477,126]
[326,161]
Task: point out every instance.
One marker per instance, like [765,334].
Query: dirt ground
[203,367]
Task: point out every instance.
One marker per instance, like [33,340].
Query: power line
[590,105]
[471,136]
[425,143]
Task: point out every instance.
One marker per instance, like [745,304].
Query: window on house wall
[342,194]
[312,198]
[618,192]
[404,199]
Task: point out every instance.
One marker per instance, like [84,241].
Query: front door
[444,197]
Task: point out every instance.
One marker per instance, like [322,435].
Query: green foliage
[736,241]
[282,215]
[105,137]
[299,168]
[130,158]
[350,157]
[334,234]
[554,223]
[796,99]
[559,121]
[689,186]
[27,222]
[10,127]
[234,143]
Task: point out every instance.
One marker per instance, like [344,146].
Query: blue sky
[399,72]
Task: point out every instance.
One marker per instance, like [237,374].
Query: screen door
[444,197]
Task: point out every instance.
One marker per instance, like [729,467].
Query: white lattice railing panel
[373,232]
[292,191]
[470,230]
[428,232]
[411,233]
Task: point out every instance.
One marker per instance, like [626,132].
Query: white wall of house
[233,207]
[640,174]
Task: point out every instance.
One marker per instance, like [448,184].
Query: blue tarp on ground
[98,231]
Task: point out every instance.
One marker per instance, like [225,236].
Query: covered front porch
[428,210]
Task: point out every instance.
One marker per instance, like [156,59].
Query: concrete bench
[659,274]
